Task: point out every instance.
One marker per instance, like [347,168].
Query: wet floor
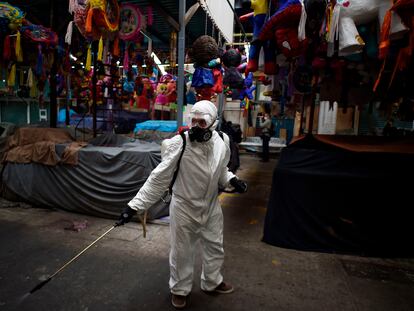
[124,271]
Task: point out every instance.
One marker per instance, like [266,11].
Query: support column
[94,90]
[181,56]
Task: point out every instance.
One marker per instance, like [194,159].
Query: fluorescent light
[134,66]
[156,59]
[73,57]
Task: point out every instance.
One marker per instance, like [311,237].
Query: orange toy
[103,14]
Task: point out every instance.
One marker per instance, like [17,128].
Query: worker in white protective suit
[195,211]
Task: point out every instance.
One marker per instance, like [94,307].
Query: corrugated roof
[161,29]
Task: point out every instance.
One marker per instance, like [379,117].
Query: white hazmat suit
[195,211]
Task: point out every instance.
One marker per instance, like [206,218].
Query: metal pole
[221,99]
[94,82]
[67,106]
[181,55]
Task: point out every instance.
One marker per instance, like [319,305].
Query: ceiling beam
[157,35]
[190,13]
[160,8]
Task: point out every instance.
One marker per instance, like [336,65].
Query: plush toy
[347,14]
[207,77]
[258,18]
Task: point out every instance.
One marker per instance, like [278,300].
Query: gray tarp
[106,178]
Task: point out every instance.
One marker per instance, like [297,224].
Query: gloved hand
[239,185]
[126,216]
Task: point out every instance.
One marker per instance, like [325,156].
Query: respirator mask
[200,131]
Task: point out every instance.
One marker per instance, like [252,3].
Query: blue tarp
[157,125]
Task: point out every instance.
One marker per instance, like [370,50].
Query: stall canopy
[221,15]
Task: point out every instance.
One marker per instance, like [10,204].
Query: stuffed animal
[348,14]
[258,19]
[207,76]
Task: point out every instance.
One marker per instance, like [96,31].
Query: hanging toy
[232,76]
[102,14]
[132,21]
[69,32]
[80,13]
[19,52]
[348,14]
[39,33]
[6,49]
[248,88]
[39,64]
[11,18]
[88,64]
[11,81]
[258,19]
[207,76]
[100,50]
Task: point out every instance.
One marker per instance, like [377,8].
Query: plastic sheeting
[343,194]
[109,173]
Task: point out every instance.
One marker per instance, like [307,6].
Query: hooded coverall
[195,212]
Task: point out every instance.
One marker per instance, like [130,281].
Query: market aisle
[124,271]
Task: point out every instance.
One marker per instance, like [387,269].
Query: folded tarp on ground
[109,173]
[343,194]
[157,125]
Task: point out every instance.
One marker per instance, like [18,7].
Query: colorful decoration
[102,14]
[207,77]
[405,9]
[11,17]
[39,33]
[284,25]
[131,22]
[232,76]
[162,90]
[79,17]
[258,19]
[347,14]
[248,88]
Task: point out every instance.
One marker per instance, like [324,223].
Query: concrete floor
[124,271]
